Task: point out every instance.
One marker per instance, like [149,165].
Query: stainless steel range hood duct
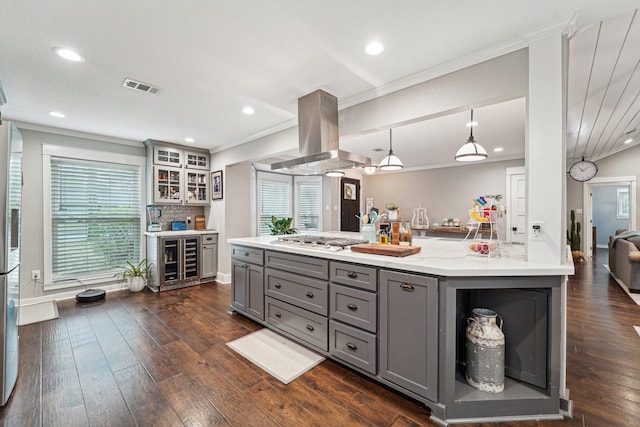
[318,138]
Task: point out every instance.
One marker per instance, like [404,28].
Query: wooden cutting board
[382,249]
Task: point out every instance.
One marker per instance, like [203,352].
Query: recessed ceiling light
[69,54]
[57,114]
[374,48]
[628,140]
[498,149]
[248,111]
[189,140]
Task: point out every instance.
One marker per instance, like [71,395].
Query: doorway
[609,204]
[516,205]
[349,204]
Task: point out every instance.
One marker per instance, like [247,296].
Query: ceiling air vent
[142,87]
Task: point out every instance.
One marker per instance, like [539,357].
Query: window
[95,220]
[308,203]
[623,203]
[275,199]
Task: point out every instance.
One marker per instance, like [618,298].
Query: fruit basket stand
[483,219]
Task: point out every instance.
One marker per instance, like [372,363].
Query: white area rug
[637,328]
[280,357]
[634,296]
[37,313]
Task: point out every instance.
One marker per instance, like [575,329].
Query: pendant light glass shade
[390,162]
[370,169]
[334,174]
[471,151]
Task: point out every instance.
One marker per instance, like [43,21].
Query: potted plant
[135,275]
[393,211]
[281,226]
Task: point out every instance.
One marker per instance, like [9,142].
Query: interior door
[349,204]
[516,214]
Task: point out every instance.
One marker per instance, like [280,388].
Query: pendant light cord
[471,126]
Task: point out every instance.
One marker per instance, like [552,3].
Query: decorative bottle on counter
[405,234]
[395,233]
[485,351]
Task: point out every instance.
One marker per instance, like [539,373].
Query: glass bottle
[407,233]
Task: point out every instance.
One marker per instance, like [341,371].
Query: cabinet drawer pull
[352,307]
[278,314]
[277,286]
[247,254]
[352,274]
[310,294]
[352,346]
[310,328]
[405,287]
[245,266]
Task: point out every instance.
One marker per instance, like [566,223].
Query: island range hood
[318,139]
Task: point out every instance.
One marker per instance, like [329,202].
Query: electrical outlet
[537,230]
[35,274]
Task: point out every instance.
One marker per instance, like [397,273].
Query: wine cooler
[178,263]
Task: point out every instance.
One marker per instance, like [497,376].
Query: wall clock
[583,170]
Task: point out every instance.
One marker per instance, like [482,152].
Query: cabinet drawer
[309,327]
[353,346]
[208,239]
[252,255]
[354,307]
[314,267]
[358,276]
[304,292]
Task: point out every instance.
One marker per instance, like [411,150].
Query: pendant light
[471,151]
[370,169]
[390,162]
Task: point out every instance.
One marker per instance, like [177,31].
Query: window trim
[49,151]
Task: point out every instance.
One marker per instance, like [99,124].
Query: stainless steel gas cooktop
[317,242]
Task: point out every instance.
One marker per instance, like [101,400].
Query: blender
[153,213]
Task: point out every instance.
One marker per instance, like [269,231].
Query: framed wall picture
[350,191]
[216,185]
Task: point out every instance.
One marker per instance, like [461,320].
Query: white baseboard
[224,279]
[61,296]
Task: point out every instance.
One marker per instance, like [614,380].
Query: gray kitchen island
[402,320]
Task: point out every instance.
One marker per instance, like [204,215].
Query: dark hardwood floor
[161,359]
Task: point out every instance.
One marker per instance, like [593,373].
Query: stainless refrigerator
[10,206]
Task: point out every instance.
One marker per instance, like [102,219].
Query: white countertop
[438,256]
[178,233]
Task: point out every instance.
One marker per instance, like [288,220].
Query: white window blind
[308,203]
[274,199]
[95,217]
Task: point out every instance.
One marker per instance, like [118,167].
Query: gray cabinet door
[409,332]
[247,288]
[255,297]
[239,285]
[209,260]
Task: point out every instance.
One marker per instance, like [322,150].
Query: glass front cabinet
[180,177]
[180,186]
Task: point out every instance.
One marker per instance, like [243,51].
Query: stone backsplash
[179,213]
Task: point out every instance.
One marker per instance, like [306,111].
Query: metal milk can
[485,351]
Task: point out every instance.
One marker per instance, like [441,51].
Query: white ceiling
[212,58]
